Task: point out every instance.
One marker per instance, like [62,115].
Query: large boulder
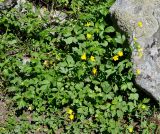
[140,19]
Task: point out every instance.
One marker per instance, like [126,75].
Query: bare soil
[3,112]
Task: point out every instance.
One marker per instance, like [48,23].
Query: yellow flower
[71,117]
[143,107]
[120,53]
[88,24]
[140,24]
[138,71]
[135,39]
[89,36]
[94,71]
[115,58]
[92,58]
[83,57]
[130,129]
[69,111]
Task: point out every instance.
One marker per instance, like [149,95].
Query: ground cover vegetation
[71,76]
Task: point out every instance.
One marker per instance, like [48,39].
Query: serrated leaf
[110,29]
[120,38]
[133,96]
[120,114]
[106,87]
[81,37]
[79,86]
[70,60]
[12,42]
[21,103]
[130,85]
[45,82]
[124,86]
[70,40]
[109,72]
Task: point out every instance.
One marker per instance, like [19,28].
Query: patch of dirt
[156,119]
[3,112]
[4,107]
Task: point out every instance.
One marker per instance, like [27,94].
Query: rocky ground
[4,111]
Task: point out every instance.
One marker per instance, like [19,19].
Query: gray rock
[57,16]
[127,14]
[7,4]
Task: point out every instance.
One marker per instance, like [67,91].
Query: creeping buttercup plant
[78,74]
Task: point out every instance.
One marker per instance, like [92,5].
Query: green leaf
[110,29]
[12,42]
[17,97]
[97,89]
[120,114]
[81,37]
[79,86]
[115,88]
[124,86]
[133,96]
[104,11]
[91,110]
[70,60]
[130,85]
[146,100]
[105,44]
[5,72]
[120,38]
[80,73]
[13,89]
[30,93]
[63,70]
[42,89]
[21,103]
[70,40]
[45,82]
[106,87]
[108,38]
[62,64]
[131,106]
[59,85]
[109,72]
